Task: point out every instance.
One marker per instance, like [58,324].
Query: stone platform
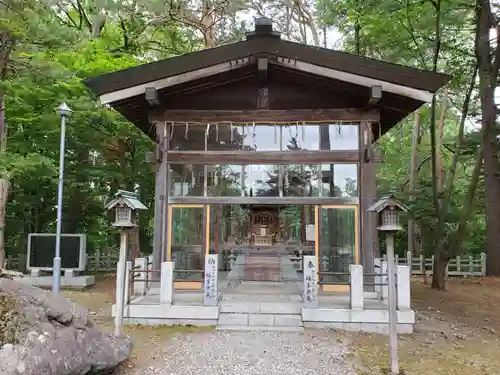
[275,304]
[73,282]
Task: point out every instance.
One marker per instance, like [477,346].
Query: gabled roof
[128,198]
[387,201]
[346,62]
[410,87]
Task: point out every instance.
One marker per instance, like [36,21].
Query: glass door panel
[187,244]
[337,245]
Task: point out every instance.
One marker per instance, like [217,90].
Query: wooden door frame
[337,288]
[187,285]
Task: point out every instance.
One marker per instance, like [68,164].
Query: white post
[210,290]
[56,271]
[149,274]
[140,283]
[120,283]
[384,280]
[357,297]
[167,283]
[310,281]
[393,336]
[403,290]
[377,266]
[483,264]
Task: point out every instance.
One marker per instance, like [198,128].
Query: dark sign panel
[43,250]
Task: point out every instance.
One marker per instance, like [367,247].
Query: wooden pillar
[161,197]
[368,219]
[368,195]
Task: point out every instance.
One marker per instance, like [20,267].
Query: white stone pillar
[141,281]
[167,283]
[310,281]
[210,288]
[403,287]
[357,298]
[384,280]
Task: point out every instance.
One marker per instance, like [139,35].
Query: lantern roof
[127,198]
[386,201]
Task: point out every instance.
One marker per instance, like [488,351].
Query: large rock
[45,334]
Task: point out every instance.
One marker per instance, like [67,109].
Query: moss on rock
[9,319]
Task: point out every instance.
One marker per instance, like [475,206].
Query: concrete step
[258,328]
[271,320]
[260,307]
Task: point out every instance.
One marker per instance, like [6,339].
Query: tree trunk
[4,189]
[439,148]
[439,273]
[8,43]
[488,77]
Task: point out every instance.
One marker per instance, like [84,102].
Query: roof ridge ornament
[263,28]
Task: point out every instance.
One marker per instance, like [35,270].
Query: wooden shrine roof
[206,92]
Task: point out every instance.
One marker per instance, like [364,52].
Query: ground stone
[56,337]
[248,353]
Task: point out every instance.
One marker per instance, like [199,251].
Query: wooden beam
[272,201]
[262,71]
[375,95]
[265,157]
[263,90]
[151,95]
[174,80]
[266,116]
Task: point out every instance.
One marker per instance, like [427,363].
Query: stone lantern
[126,206]
[388,209]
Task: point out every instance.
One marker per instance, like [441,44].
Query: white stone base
[357,320]
[170,322]
[361,327]
[169,315]
[75,282]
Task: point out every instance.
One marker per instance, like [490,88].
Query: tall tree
[488,56]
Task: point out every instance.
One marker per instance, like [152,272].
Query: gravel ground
[248,353]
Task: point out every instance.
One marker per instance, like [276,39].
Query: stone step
[260,307]
[258,328]
[275,320]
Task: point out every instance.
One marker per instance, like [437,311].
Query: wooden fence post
[471,264]
[458,260]
[422,265]
[483,264]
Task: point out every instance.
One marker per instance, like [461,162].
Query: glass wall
[338,245]
[187,241]
[224,137]
[264,180]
